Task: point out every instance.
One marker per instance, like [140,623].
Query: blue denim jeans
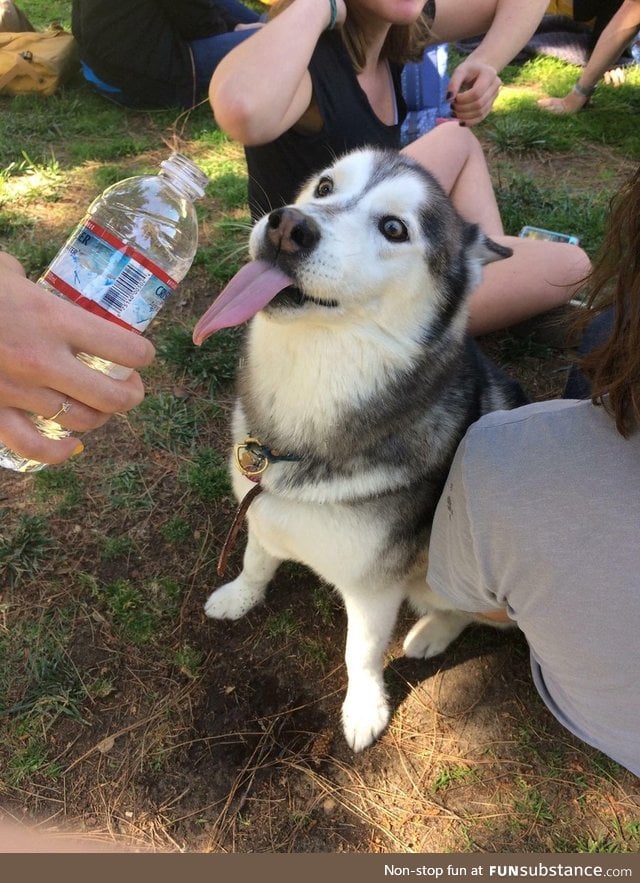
[241,13]
[208,52]
[578,387]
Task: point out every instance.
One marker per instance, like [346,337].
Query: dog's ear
[482,248]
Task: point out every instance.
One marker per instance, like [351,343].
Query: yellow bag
[36,61]
[561,7]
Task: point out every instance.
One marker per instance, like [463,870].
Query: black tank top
[278,169]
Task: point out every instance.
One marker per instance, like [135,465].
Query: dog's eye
[325,187]
[393,229]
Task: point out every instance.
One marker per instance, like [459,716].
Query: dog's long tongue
[249,291]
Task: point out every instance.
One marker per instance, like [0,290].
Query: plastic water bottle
[123,260]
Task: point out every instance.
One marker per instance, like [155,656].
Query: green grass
[532,804]
[116,547]
[51,680]
[39,685]
[213,364]
[74,125]
[207,476]
[129,612]
[314,651]
[189,660]
[43,12]
[127,488]
[450,776]
[522,200]
[137,611]
[167,421]
[177,530]
[222,257]
[324,605]
[24,548]
[60,487]
[282,625]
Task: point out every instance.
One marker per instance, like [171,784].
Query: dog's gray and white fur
[364,372]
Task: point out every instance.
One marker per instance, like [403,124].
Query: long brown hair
[614,367]
[404,42]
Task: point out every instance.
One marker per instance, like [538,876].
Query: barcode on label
[119,295]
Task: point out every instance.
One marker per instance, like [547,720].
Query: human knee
[577,263]
[583,262]
[456,136]
[447,144]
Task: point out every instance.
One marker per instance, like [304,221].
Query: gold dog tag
[250,462]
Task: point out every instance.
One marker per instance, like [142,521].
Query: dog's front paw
[433,633]
[365,714]
[233,600]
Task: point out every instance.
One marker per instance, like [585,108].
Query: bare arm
[262,87]
[39,339]
[507,25]
[618,33]
[621,29]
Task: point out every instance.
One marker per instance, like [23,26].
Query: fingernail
[79,448]
[462,124]
[448,96]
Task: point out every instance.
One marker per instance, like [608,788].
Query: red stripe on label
[91,306]
[130,251]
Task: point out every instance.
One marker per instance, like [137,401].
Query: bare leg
[371,617]
[455,157]
[455,20]
[540,275]
[236,598]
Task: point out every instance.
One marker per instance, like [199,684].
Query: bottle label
[107,277]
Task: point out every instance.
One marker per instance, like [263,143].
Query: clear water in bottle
[123,260]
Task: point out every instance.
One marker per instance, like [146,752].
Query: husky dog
[357,383]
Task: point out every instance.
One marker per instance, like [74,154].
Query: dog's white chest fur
[307,378]
[330,539]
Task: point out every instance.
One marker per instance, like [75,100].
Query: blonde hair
[404,42]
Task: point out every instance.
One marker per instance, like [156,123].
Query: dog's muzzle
[290,231]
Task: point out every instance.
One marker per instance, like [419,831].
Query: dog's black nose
[289,230]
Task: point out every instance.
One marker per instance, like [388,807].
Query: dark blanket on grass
[558,36]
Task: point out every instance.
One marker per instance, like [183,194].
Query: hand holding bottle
[39,372]
[120,264]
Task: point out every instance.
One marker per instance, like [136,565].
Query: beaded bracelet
[334,15]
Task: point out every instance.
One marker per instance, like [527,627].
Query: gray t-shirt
[541,515]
